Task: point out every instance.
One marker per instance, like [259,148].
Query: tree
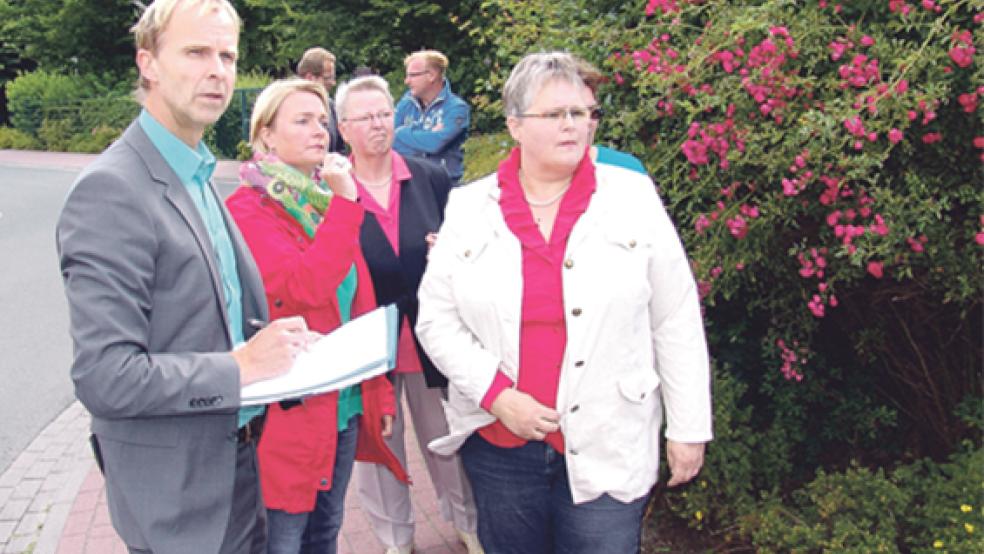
[80,36]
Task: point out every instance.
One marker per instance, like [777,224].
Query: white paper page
[354,352]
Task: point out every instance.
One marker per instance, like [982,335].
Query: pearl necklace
[379,184]
[549,201]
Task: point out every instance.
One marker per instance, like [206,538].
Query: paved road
[35,350]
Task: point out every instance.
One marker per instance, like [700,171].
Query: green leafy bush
[17,140]
[855,511]
[483,154]
[31,93]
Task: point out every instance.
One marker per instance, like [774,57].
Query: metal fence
[89,124]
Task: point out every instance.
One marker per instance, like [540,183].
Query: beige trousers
[385,500]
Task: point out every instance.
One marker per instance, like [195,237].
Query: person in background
[559,302]
[404,199]
[602,154]
[305,240]
[160,288]
[431,121]
[318,65]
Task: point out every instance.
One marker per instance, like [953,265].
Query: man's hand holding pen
[271,351]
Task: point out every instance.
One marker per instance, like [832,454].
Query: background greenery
[822,161]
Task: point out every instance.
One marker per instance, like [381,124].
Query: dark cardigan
[396,279]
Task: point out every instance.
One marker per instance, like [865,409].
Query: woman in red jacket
[306,243]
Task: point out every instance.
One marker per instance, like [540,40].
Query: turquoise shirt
[349,399]
[621,159]
[194,168]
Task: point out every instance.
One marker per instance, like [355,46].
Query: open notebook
[359,350]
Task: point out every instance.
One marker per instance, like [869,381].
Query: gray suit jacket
[151,339]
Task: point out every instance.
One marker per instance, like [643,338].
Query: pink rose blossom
[876,269]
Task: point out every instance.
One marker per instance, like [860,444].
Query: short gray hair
[531,73]
[360,84]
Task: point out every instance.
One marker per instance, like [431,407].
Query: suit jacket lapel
[177,195]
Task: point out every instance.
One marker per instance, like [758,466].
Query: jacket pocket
[638,386]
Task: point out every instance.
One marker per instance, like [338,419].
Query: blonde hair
[155,18]
[360,84]
[432,59]
[269,101]
[313,61]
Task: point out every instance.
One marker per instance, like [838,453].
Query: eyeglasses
[577,115]
[380,117]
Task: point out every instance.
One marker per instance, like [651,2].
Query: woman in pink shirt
[404,199]
[559,303]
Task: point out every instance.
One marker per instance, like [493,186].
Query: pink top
[407,360]
[543,333]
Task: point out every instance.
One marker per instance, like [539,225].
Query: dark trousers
[525,506]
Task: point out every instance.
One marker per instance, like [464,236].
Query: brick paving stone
[6,531]
[42,501]
[12,476]
[54,451]
[13,510]
[78,523]
[56,480]
[25,460]
[30,524]
[71,545]
[86,500]
[20,545]
[27,488]
[40,469]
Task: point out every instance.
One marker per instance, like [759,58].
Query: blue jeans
[317,531]
[525,506]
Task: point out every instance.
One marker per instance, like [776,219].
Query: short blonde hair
[269,101]
[432,59]
[154,20]
[360,84]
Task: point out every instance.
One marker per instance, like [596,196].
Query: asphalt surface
[35,349]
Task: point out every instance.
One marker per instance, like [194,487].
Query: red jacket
[297,448]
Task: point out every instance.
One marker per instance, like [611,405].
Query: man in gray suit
[161,290]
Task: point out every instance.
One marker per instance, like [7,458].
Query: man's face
[419,77]
[193,72]
[328,75]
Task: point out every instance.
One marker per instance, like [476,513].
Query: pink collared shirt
[543,332]
[407,360]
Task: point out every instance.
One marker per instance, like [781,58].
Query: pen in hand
[256,323]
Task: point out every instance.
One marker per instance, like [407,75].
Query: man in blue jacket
[431,121]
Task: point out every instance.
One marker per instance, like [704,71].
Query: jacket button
[579,363]
[576,312]
[568,263]
[572,452]
[324,482]
[278,303]
[575,408]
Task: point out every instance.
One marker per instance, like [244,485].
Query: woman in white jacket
[559,303]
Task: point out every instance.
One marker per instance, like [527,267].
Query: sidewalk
[52,500]
[226,171]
